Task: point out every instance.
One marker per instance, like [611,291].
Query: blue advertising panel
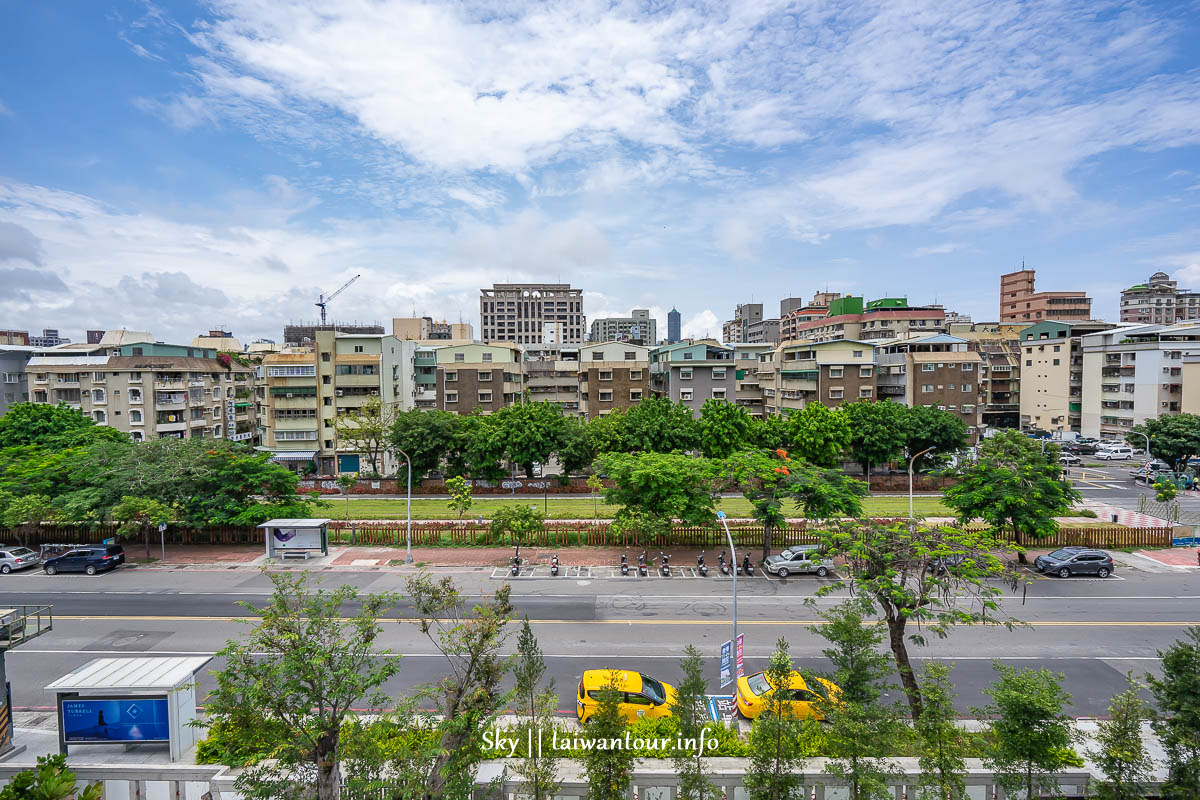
[726,664]
[110,719]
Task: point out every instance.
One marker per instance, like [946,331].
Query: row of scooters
[664,564]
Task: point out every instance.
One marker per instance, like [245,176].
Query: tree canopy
[877,432]
[654,488]
[656,425]
[427,436]
[530,433]
[928,426]
[817,434]
[1174,438]
[45,425]
[725,428]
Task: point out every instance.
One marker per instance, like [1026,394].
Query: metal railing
[19,624]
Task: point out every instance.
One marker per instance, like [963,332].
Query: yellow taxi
[642,697]
[804,696]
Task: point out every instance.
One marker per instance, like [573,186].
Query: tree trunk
[1019,541]
[529,470]
[329,781]
[900,651]
[146,538]
[768,529]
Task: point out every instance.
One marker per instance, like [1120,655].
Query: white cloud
[700,326]
[936,249]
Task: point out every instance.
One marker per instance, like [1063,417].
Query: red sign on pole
[741,671]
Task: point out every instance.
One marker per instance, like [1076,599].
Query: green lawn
[582,508]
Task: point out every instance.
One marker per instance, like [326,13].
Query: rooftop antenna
[322,299]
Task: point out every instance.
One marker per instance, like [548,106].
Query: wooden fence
[439,534]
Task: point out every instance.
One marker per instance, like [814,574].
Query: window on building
[292,371]
[635,374]
[328,401]
[835,372]
[630,355]
[864,391]
[606,396]
[485,374]
[718,394]
[864,372]
[968,367]
[1055,362]
[485,396]
[597,355]
[358,348]
[451,376]
[635,394]
[687,356]
[858,353]
[134,377]
[927,368]
[451,397]
[718,373]
[966,387]
[97,395]
[685,394]
[1057,348]
[605,374]
[1029,362]
[460,356]
[325,357]
[835,393]
[685,373]
[926,388]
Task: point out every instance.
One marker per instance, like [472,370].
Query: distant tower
[673,326]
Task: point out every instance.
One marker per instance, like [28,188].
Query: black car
[89,559]
[1075,560]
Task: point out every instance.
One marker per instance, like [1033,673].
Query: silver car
[797,560]
[17,558]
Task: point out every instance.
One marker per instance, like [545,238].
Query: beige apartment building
[613,376]
[532,313]
[1019,302]
[552,375]
[308,388]
[153,396]
[939,370]
[426,330]
[831,373]
[479,376]
[747,357]
[1051,356]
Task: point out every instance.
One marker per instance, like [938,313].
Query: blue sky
[177,166]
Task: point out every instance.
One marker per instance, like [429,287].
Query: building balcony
[168,385]
[172,427]
[357,380]
[170,405]
[294,424]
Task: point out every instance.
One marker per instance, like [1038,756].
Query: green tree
[656,488]
[934,576]
[608,433]
[691,713]
[479,449]
[45,425]
[530,433]
[460,494]
[303,667]
[574,448]
[929,426]
[943,744]
[469,697]
[725,428]
[427,436]
[859,668]
[818,434]
[656,425]
[140,515]
[877,432]
[1165,490]
[367,430]
[537,702]
[24,515]
[777,740]
[1120,751]
[608,771]
[770,432]
[520,522]
[51,779]
[1177,694]
[595,483]
[769,478]
[1032,736]
[346,481]
[1174,438]
[1013,487]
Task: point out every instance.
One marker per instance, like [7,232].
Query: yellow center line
[675,622]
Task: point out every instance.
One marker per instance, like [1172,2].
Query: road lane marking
[667,656]
[664,622]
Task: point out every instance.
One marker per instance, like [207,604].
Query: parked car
[17,558]
[89,559]
[798,560]
[1148,466]
[642,696]
[1080,448]
[1115,454]
[1074,560]
[804,694]
[1068,460]
[940,566]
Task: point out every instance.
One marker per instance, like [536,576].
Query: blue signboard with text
[726,664]
[125,719]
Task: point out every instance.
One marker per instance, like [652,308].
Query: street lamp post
[1146,469]
[408,559]
[733,562]
[912,461]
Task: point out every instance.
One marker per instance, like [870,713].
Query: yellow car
[642,696]
[804,696]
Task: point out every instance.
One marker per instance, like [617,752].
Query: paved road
[1112,484]
[1092,631]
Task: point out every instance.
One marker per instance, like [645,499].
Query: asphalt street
[1093,631]
[1112,483]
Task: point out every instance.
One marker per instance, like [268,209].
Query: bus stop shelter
[128,701]
[296,537]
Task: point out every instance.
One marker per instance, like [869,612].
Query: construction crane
[322,299]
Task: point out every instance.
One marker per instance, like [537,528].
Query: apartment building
[532,313]
[1019,302]
[12,336]
[1051,356]
[747,358]
[1132,374]
[49,338]
[693,371]
[938,370]
[425,329]
[483,376]
[1000,379]
[886,318]
[156,393]
[673,326]
[832,373]
[738,328]
[13,359]
[638,327]
[1159,301]
[223,341]
[613,376]
[552,375]
[792,312]
[308,388]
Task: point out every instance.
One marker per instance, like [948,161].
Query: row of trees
[283,704]
[56,464]
[867,432]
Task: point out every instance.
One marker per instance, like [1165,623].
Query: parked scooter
[664,564]
[747,567]
[642,564]
[554,564]
[721,562]
[701,567]
[624,563]
[515,569]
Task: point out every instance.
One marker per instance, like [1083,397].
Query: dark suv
[88,558]
[1074,560]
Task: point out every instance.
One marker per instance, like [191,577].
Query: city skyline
[192,172]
